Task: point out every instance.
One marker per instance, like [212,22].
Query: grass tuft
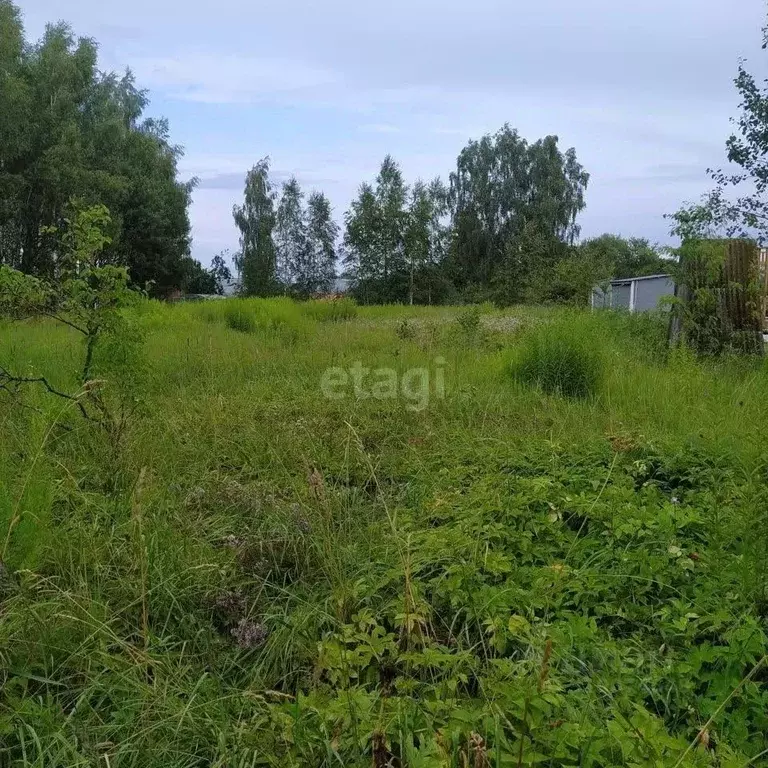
[560,359]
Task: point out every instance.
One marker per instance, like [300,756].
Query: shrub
[560,361]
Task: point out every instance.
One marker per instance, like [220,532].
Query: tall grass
[285,579]
[563,358]
[334,310]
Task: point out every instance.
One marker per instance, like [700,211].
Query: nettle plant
[87,295]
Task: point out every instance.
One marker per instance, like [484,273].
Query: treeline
[504,228]
[71,133]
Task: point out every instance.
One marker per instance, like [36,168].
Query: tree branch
[60,319]
[10,384]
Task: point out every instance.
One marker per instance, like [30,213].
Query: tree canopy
[69,132]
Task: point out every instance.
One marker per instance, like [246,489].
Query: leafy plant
[87,297]
[469,322]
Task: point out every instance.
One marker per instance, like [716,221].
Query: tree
[375,237]
[505,194]
[620,258]
[68,131]
[322,232]
[291,243]
[256,220]
[738,205]
[425,237]
[362,242]
[220,271]
[196,279]
[391,195]
[87,296]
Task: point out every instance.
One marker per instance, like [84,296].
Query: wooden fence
[723,296]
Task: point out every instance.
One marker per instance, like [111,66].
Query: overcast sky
[643,89]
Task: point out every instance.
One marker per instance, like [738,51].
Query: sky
[643,89]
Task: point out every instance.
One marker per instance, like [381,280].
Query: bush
[559,361]
[333,310]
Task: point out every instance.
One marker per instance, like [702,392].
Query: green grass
[562,359]
[506,577]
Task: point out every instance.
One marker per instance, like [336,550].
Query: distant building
[636,294]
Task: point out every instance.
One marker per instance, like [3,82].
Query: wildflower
[230,606]
[249,634]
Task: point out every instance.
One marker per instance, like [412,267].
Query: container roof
[622,280]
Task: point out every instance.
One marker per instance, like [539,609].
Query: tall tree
[68,132]
[255,219]
[391,195]
[375,237]
[634,257]
[507,193]
[425,237]
[322,233]
[290,235]
[362,243]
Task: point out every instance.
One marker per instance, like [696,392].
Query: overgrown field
[557,554]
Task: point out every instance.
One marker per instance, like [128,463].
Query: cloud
[221,78]
[643,91]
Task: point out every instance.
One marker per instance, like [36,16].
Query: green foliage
[319,268]
[615,257]
[305,242]
[469,322]
[502,229]
[281,318]
[220,271]
[560,360]
[69,131]
[255,219]
[87,296]
[282,579]
[395,240]
[239,319]
[572,280]
[196,279]
[718,316]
